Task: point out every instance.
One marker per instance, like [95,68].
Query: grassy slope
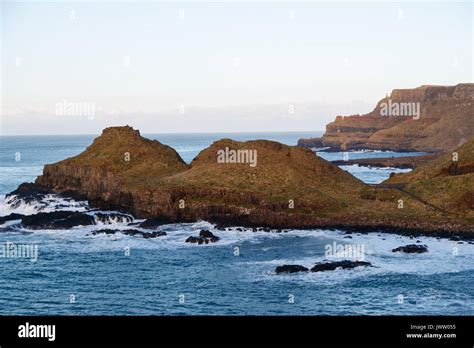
[432,182]
[149,159]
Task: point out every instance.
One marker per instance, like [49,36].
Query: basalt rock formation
[283,187]
[427,118]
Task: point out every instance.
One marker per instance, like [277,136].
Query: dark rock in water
[131,232]
[290,269]
[155,222]
[104,231]
[12,216]
[205,234]
[145,235]
[209,235]
[197,240]
[347,237]
[192,239]
[205,237]
[57,220]
[412,249]
[113,217]
[331,266]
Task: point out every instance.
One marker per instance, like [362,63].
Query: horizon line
[164,133]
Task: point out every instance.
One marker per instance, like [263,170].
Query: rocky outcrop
[130,232]
[322,267]
[290,269]
[331,266]
[205,237]
[57,220]
[427,118]
[271,185]
[412,249]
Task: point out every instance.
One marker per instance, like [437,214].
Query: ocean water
[78,273]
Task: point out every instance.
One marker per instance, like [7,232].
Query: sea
[76,273]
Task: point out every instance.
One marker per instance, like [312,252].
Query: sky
[77,67]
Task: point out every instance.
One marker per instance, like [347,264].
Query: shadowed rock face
[288,187]
[445,122]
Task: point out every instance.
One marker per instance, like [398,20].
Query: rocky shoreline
[290,188]
[70,219]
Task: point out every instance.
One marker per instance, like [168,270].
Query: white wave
[444,256]
[49,203]
[112,217]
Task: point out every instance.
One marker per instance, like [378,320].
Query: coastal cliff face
[253,183]
[427,118]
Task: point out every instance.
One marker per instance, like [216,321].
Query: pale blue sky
[223,62]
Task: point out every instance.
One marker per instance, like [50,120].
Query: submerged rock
[130,232]
[57,220]
[290,269]
[331,266]
[205,237]
[412,249]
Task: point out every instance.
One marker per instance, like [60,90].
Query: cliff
[253,183]
[427,118]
